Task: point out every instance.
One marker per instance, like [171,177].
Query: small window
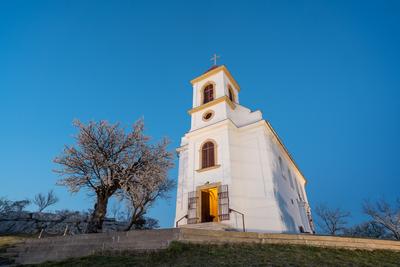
[208,94]
[208,115]
[290,179]
[302,192]
[231,94]
[208,155]
[297,188]
[281,168]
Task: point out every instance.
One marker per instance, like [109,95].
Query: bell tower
[215,96]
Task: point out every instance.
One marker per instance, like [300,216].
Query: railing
[177,222]
[238,212]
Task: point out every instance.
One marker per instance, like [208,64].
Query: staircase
[215,226]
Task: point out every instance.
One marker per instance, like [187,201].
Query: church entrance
[209,204]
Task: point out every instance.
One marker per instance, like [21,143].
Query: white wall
[220,114]
[252,188]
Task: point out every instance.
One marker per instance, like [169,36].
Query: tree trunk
[95,224]
[132,222]
[396,235]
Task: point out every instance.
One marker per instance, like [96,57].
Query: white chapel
[233,168]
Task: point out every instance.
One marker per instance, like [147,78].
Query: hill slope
[181,254]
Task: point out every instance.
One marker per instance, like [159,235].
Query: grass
[181,254]
[9,240]
[6,242]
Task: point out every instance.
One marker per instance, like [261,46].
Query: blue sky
[326,74]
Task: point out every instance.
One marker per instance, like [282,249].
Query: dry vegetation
[6,242]
[179,254]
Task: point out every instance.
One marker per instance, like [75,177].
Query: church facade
[233,168]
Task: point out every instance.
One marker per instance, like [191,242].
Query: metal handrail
[177,222]
[244,227]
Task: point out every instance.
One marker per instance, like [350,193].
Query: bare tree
[367,229]
[7,206]
[104,161]
[331,221]
[4,205]
[145,223]
[152,183]
[384,214]
[42,201]
[20,205]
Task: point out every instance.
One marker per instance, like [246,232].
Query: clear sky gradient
[326,74]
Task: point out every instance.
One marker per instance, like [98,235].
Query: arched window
[208,155]
[231,94]
[208,93]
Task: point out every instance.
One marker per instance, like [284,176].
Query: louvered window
[208,93]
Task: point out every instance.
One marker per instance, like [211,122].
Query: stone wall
[59,248]
[31,223]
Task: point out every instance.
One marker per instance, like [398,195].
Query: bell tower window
[208,93]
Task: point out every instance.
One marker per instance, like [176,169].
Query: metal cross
[214,58]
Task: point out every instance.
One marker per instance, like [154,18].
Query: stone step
[208,226]
[219,234]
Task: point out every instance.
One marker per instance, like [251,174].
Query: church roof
[213,67]
[213,70]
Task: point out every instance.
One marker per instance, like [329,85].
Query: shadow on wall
[284,210]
